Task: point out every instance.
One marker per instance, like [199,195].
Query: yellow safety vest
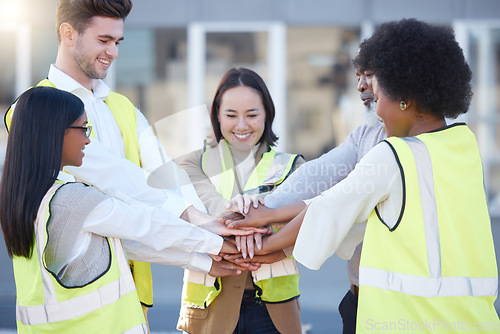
[277,282]
[435,271]
[107,305]
[125,116]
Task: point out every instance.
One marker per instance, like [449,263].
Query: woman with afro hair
[428,260]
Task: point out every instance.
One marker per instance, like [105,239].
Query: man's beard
[86,63]
[370,117]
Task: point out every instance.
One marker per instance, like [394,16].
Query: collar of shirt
[100,116]
[63,81]
[65,177]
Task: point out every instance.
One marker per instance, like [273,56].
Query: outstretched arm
[285,237]
[262,216]
[316,176]
[211,224]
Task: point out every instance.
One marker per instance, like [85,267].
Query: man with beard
[88,35]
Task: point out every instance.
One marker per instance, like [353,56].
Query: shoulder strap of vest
[218,165]
[125,115]
[7,118]
[271,171]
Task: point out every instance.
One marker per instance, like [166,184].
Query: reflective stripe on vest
[435,285]
[125,115]
[278,166]
[83,301]
[423,270]
[276,282]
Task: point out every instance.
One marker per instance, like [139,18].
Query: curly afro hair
[412,59]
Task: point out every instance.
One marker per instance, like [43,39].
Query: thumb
[232,272]
[217,258]
[236,223]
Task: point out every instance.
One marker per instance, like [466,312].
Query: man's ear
[68,34]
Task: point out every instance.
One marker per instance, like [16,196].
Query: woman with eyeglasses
[70,268]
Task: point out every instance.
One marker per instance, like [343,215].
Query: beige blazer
[223,313]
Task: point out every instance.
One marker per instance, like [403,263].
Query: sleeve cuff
[212,244]
[200,262]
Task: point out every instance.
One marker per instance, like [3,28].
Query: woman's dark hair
[412,59]
[33,161]
[79,13]
[236,77]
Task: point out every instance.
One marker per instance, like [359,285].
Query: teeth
[242,136]
[104,61]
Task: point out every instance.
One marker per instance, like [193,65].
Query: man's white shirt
[106,167]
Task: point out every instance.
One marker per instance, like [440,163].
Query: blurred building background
[175,53]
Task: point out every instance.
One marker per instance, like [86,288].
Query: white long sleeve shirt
[149,234]
[106,167]
[335,220]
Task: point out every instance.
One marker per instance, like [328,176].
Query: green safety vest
[277,282]
[435,271]
[107,305]
[125,115]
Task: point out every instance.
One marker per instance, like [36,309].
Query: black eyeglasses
[87,129]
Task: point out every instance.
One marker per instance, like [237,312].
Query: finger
[261,201]
[263,230]
[237,239]
[239,232]
[227,205]
[256,259]
[245,266]
[241,260]
[253,266]
[239,203]
[250,246]
[217,258]
[247,230]
[231,240]
[235,224]
[232,224]
[248,263]
[258,240]
[230,221]
[243,246]
[231,265]
[243,224]
[247,201]
[238,224]
[228,248]
[232,257]
[255,201]
[234,200]
[230,272]
[227,215]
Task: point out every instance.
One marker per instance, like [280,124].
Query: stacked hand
[246,216]
[242,213]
